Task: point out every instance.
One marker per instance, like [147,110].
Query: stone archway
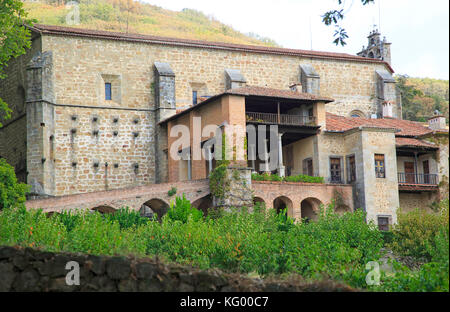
[104,209]
[154,206]
[204,204]
[281,203]
[309,209]
[259,201]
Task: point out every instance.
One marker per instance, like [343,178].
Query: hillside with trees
[421,97]
[137,17]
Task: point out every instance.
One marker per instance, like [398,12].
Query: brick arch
[204,204]
[104,209]
[281,202]
[309,208]
[158,206]
[260,200]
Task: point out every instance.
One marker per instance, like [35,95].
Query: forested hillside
[138,17]
[421,97]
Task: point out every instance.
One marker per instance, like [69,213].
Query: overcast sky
[418,29]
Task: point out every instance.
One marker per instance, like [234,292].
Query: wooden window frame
[349,174]
[378,174]
[341,173]
[306,167]
[381,226]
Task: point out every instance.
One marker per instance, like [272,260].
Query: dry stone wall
[39,271]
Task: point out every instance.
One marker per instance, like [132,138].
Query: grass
[143,18]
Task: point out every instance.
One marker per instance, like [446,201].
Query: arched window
[357,114]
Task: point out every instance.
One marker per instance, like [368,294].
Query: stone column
[266,168]
[387,96]
[281,171]
[165,106]
[40,124]
[210,168]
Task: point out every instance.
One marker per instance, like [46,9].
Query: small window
[383,223]
[380,171]
[194,98]
[308,166]
[335,170]
[351,168]
[108,91]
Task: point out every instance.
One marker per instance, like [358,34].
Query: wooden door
[409,172]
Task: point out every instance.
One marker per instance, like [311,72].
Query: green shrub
[415,232]
[297,178]
[182,210]
[126,218]
[12,193]
[172,191]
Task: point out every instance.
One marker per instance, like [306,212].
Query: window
[351,165]
[308,166]
[335,169]
[383,223]
[194,98]
[108,91]
[379,166]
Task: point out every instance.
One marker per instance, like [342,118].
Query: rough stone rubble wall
[33,270]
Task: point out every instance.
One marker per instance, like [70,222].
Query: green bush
[182,210]
[297,178]
[12,193]
[335,246]
[415,232]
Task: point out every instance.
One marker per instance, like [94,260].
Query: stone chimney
[296,87]
[437,122]
[387,109]
[234,79]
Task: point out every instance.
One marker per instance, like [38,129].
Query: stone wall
[38,271]
[419,200]
[13,134]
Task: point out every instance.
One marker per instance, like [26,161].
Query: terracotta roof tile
[269,92]
[405,142]
[80,32]
[406,127]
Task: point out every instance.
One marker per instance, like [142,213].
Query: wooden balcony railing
[280,119]
[417,178]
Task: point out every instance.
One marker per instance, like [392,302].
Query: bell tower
[377,48]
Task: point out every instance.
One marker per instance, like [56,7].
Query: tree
[333,17]
[12,193]
[15,38]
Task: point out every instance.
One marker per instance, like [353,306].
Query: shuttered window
[351,168]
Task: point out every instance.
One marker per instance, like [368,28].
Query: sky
[417,29]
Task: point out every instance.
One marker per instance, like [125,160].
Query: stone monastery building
[93,112]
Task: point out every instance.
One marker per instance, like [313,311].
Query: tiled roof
[406,142]
[80,32]
[269,92]
[406,127]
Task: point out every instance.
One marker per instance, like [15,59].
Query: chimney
[387,109]
[296,87]
[437,122]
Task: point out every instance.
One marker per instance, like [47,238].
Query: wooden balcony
[417,182]
[280,119]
